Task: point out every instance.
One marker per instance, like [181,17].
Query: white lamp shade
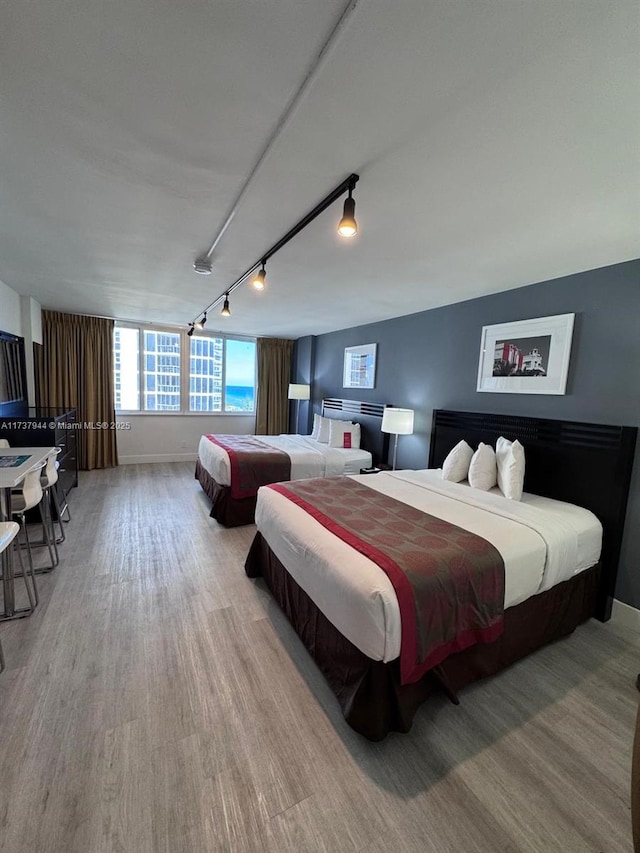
[397,421]
[299,392]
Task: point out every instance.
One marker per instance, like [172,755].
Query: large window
[148,375]
[126,368]
[161,371]
[240,376]
[205,374]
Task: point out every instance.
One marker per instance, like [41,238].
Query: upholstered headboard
[369,416]
[584,464]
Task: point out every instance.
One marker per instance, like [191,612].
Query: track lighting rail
[346,186]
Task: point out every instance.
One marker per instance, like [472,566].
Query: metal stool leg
[48,533]
[46,541]
[64,505]
[33,597]
[23,524]
[1,657]
[56,505]
[7,574]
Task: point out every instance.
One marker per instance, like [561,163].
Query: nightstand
[376,469]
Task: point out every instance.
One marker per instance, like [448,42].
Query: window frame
[185,359]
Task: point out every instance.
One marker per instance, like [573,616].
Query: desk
[10,478]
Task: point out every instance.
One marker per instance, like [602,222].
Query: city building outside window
[148,376]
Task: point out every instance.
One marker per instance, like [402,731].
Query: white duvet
[309,458]
[541,541]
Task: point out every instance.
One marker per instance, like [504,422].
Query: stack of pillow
[487,467]
[336,433]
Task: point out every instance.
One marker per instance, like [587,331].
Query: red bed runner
[449,582]
[253,463]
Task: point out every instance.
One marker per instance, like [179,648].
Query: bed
[233,505]
[560,547]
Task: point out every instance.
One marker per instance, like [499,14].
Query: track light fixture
[203,322]
[260,278]
[191,328]
[347,227]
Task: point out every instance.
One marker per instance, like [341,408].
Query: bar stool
[28,496]
[8,532]
[48,481]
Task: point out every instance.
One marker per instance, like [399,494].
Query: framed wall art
[359,366]
[527,356]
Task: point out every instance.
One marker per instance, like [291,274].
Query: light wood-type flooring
[159,702]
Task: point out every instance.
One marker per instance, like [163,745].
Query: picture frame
[526,356]
[359,369]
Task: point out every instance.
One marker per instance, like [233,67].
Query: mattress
[309,458]
[541,541]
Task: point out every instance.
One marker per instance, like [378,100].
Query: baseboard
[624,614]
[157,457]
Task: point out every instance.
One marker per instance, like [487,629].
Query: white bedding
[309,458]
[541,541]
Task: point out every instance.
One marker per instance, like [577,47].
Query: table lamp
[299,392]
[397,422]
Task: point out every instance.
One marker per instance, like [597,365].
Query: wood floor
[158,702]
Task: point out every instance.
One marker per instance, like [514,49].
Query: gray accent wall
[302,372]
[429,361]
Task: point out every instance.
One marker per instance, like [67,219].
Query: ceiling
[496,143]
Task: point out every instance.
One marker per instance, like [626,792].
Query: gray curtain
[274,375]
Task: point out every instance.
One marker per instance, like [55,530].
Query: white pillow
[483,472]
[456,466]
[510,459]
[323,432]
[315,432]
[337,432]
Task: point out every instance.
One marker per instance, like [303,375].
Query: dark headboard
[585,464]
[369,416]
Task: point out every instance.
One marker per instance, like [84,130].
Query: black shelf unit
[42,427]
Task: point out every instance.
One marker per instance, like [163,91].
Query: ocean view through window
[240,385]
[148,373]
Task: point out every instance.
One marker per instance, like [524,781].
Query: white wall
[35,320]
[31,315]
[9,310]
[173,438]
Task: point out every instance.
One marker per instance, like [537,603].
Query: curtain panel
[274,375]
[75,370]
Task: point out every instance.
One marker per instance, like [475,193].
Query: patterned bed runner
[253,463]
[449,582]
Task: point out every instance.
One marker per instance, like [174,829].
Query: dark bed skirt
[229,511]
[372,699]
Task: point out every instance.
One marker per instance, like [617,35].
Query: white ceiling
[497,144]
